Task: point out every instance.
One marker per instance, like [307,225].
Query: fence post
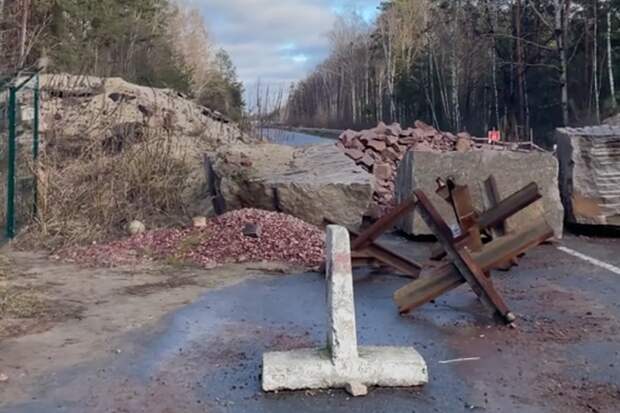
[35,148]
[10,196]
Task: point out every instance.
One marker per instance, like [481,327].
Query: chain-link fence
[19,147]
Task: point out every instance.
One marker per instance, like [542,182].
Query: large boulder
[311,183]
[512,171]
[590,174]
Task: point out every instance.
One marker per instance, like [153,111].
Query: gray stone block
[590,174]
[311,183]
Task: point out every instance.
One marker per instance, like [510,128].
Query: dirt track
[171,340]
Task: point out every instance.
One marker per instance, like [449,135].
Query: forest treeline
[516,65]
[159,43]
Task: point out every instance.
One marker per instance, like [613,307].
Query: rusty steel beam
[385,223]
[492,191]
[467,267]
[374,252]
[510,206]
[509,247]
[401,263]
[466,215]
[471,268]
[431,284]
[493,254]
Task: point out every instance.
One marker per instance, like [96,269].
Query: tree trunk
[518,22]
[597,105]
[23,33]
[560,34]
[494,63]
[610,64]
[430,85]
[456,117]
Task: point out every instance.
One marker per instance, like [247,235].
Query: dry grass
[92,197]
[102,165]
[16,302]
[20,303]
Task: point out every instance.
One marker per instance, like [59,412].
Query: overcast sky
[278,41]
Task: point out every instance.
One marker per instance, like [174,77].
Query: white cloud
[299,58]
[276,41]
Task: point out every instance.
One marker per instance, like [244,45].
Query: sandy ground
[66,314]
[168,339]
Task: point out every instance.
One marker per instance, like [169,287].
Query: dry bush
[93,196]
[112,152]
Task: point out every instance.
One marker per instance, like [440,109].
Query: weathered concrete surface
[311,183]
[314,369]
[341,364]
[341,332]
[512,170]
[590,174]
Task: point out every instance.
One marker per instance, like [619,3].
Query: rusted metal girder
[462,259]
[492,191]
[510,206]
[366,250]
[384,224]
[438,281]
[449,275]
[471,222]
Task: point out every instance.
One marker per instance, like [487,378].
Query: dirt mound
[281,238]
[77,108]
[113,152]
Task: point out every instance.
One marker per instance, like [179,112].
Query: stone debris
[85,115]
[199,222]
[281,238]
[342,364]
[356,389]
[135,227]
[380,150]
[252,230]
[85,107]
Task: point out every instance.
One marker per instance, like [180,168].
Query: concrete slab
[314,369]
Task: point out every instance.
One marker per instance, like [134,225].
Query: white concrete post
[347,367]
[341,333]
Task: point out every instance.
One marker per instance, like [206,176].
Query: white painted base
[314,369]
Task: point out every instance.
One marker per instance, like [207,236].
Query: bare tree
[610,64]
[561,10]
[597,104]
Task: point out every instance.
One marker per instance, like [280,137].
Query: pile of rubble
[241,236]
[380,150]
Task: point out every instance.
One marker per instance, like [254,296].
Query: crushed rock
[283,239]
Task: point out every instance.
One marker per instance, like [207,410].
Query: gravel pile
[279,238]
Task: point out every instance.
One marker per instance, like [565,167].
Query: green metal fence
[19,150]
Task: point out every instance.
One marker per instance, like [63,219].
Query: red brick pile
[380,150]
[275,237]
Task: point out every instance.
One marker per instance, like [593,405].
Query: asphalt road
[564,355]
